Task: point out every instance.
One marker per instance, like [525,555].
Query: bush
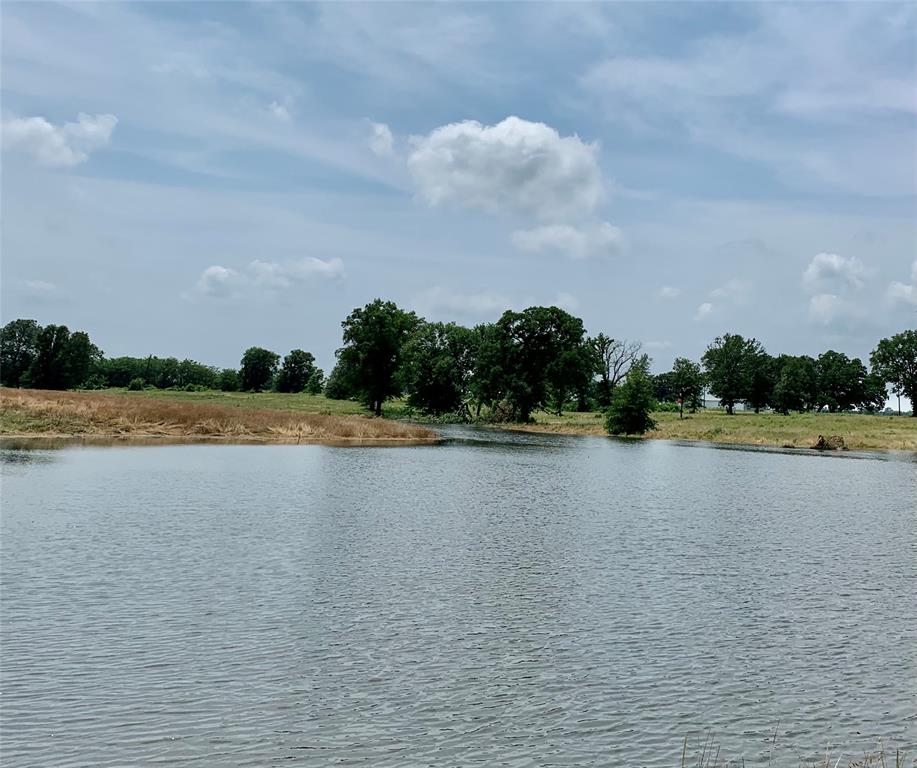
[631,405]
[136,384]
[194,388]
[667,408]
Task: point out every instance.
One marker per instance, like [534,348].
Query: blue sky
[192,179]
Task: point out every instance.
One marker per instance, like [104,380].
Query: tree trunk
[729,409]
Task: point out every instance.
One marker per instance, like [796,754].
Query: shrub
[136,384]
[631,405]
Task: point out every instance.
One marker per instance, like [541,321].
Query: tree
[229,380]
[874,394]
[316,382]
[615,358]
[437,368]
[62,360]
[797,384]
[762,377]
[297,367]
[487,384]
[895,360]
[258,369]
[336,386]
[840,381]
[371,357]
[687,384]
[18,347]
[533,343]
[729,362]
[632,403]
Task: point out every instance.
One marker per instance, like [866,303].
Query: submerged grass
[25,412]
[797,430]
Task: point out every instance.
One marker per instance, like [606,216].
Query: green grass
[798,430]
[279,401]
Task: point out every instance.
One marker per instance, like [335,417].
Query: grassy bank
[797,430]
[286,417]
[267,418]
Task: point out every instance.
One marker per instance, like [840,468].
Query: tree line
[53,357]
[540,358]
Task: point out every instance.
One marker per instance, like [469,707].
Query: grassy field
[212,415]
[275,416]
[797,430]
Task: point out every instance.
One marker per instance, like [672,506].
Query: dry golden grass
[30,412]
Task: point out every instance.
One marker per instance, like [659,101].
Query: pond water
[495,600]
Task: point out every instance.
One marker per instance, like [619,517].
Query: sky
[190,180]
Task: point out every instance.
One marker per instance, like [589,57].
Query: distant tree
[615,358]
[258,369]
[533,343]
[337,387]
[664,387]
[18,347]
[797,384]
[316,382]
[297,367]
[729,362]
[571,371]
[195,374]
[895,360]
[687,382]
[874,394]
[229,380]
[762,378]
[840,381]
[489,373]
[632,403]
[62,360]
[437,368]
[135,384]
[370,359]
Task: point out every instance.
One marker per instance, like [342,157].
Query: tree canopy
[895,360]
[259,366]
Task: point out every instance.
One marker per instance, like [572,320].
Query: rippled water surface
[495,601]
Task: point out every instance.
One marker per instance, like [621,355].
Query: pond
[497,599]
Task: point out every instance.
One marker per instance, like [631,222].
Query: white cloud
[669,292]
[824,308]
[704,310]
[37,289]
[222,282]
[219,282]
[575,242]
[381,142]
[903,292]
[833,271]
[734,290]
[58,146]
[444,303]
[282,275]
[280,111]
[513,166]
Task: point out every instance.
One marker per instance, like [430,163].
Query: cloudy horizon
[191,180]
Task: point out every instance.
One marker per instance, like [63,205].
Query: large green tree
[687,383]
[18,347]
[895,360]
[632,402]
[840,381]
[730,362]
[62,359]
[258,369]
[370,360]
[797,384]
[437,368]
[533,343]
[297,368]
